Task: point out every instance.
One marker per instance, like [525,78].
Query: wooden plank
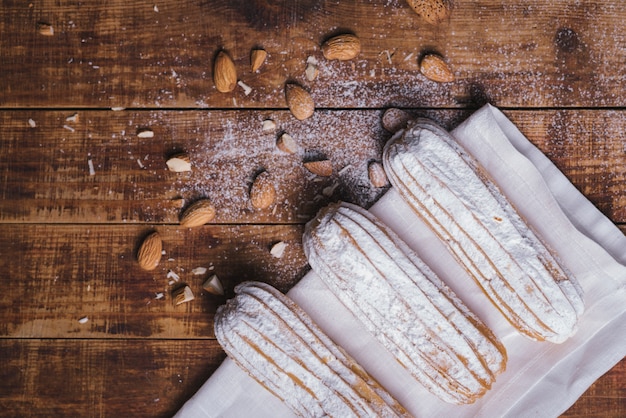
[588,147]
[45,178]
[144,54]
[68,238]
[153,378]
[100,378]
[605,398]
[54,275]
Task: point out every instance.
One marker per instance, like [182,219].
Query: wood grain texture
[68,236]
[227,149]
[130,54]
[102,378]
[45,171]
[605,398]
[588,147]
[66,273]
[153,378]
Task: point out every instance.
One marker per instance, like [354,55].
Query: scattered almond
[323,168]
[287,144]
[73,119]
[278,249]
[150,251]
[433,67]
[395,119]
[246,88]
[178,202]
[197,214]
[224,73]
[179,163]
[432,11]
[214,285]
[199,271]
[341,47]
[145,133]
[45,29]
[299,101]
[172,275]
[330,189]
[257,59]
[311,72]
[182,295]
[377,174]
[92,168]
[268,125]
[262,192]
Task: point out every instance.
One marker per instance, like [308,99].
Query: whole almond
[257,59]
[262,192]
[432,11]
[323,168]
[224,73]
[149,253]
[299,101]
[395,119]
[377,175]
[197,214]
[341,47]
[433,67]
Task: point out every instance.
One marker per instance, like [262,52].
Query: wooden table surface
[80,188]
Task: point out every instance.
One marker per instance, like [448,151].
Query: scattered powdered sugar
[483,231]
[305,368]
[402,303]
[237,147]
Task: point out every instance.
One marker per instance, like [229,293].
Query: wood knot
[567,40]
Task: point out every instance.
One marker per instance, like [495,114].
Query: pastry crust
[480,227]
[279,345]
[403,304]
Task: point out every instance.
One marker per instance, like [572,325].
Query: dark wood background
[68,238]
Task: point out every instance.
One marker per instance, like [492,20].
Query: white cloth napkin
[542,379]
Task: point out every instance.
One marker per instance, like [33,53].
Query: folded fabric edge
[605,239]
[584,365]
[229,391]
[581,212]
[569,204]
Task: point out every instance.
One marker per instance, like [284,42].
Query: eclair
[403,304]
[453,194]
[278,344]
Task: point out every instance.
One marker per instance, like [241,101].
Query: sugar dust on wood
[350,139]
